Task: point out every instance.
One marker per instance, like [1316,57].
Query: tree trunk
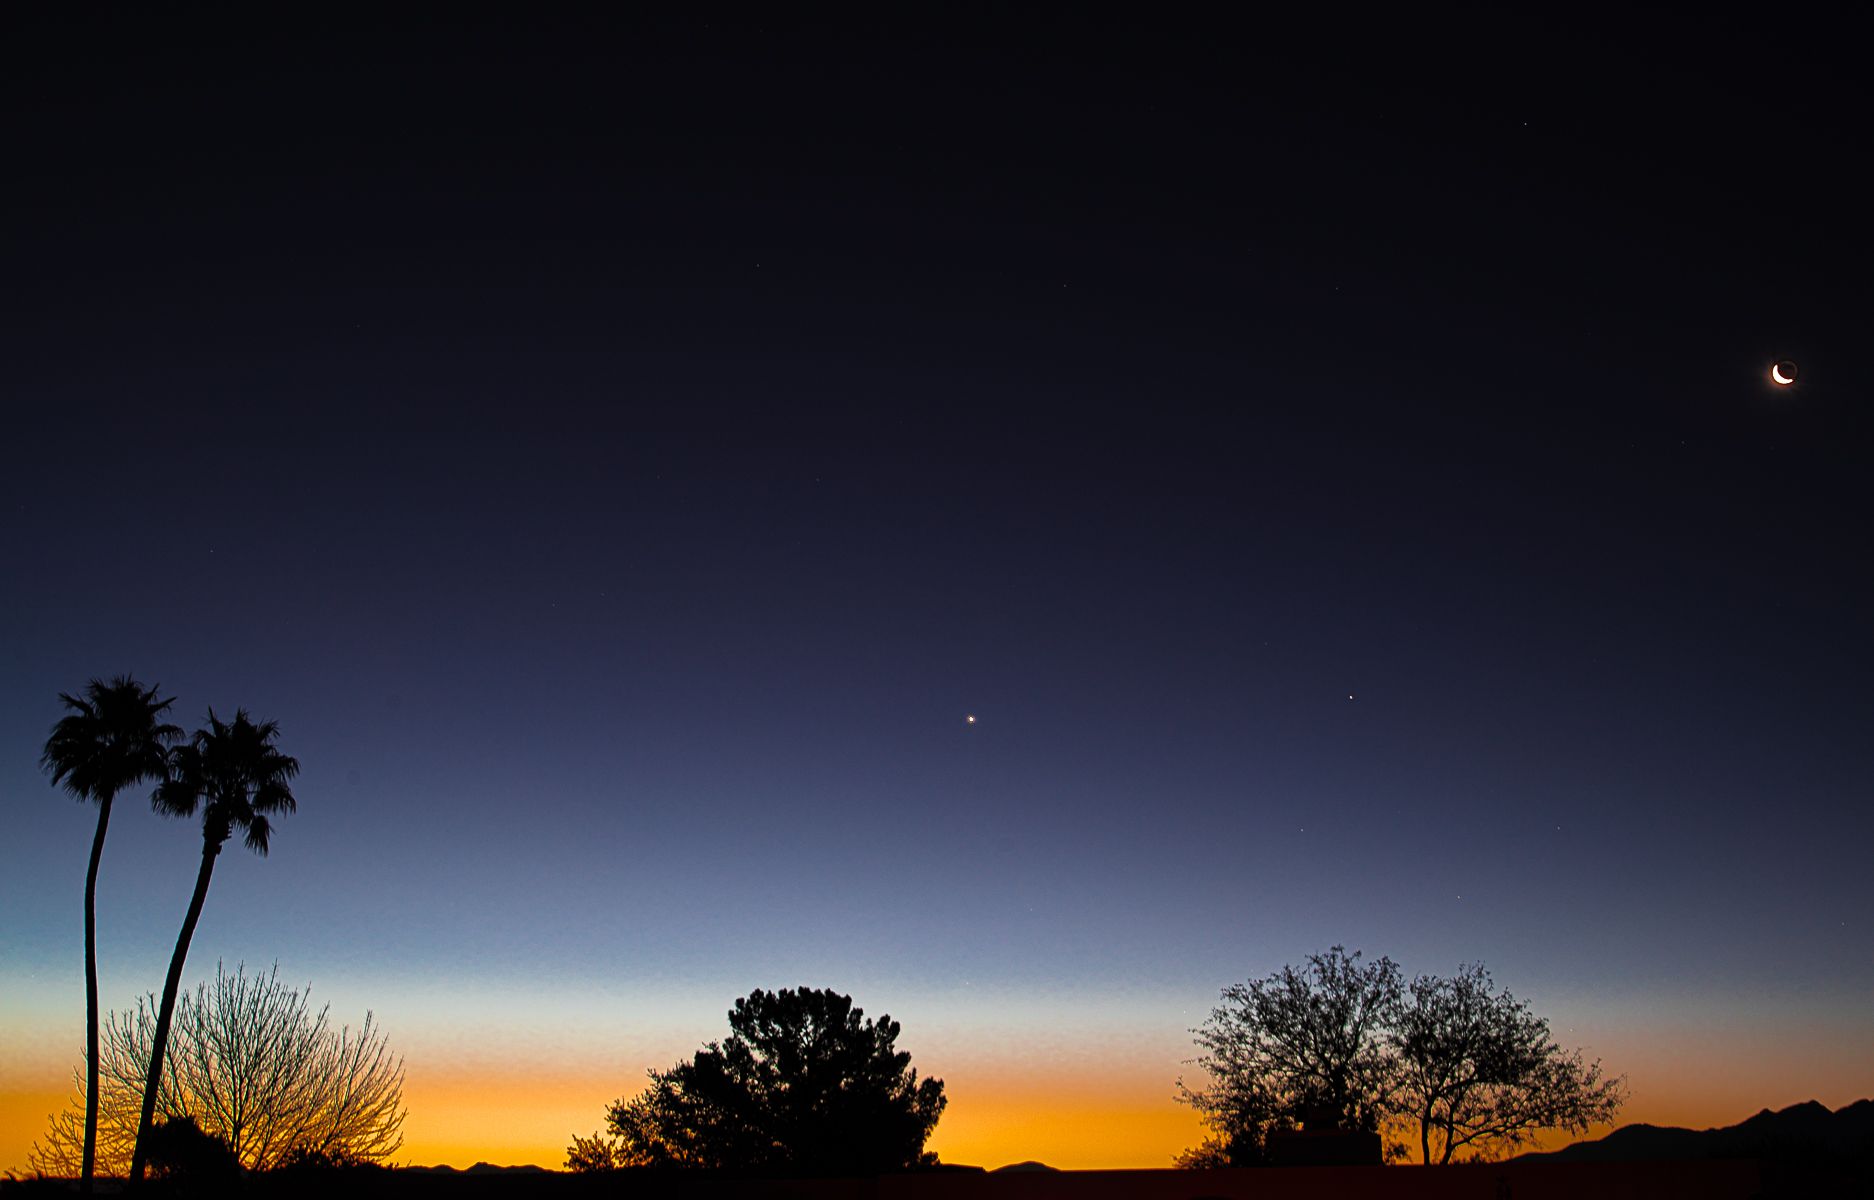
[91,1001]
[153,1081]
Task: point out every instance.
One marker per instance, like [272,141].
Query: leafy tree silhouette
[803,1086]
[234,773]
[113,738]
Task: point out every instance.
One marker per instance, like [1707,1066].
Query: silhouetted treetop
[111,739]
[233,770]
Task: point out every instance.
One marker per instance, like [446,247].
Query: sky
[1338,470]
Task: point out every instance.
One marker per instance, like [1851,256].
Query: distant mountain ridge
[1801,1130]
[480,1168]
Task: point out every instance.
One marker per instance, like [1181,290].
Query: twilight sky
[1341,476]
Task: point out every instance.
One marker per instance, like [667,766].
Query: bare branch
[253,1064]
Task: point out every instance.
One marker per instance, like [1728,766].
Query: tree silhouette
[804,1086]
[253,1063]
[1349,1047]
[112,738]
[1298,1048]
[1478,1069]
[233,772]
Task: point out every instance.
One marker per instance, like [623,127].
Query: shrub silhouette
[595,1153]
[191,1163]
[803,1086]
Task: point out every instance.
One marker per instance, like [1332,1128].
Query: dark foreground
[1708,1180]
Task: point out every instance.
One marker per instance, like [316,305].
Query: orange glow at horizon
[1071,1122]
[1066,1112]
[1074,1123]
[1082,1120]
[24,1114]
[1089,1117]
[499,1118]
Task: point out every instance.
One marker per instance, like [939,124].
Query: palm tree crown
[111,739]
[233,771]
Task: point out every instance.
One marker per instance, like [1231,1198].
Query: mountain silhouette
[1807,1130]
[480,1168]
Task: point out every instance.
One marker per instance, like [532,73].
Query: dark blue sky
[1343,481]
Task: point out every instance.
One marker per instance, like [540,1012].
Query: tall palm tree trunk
[91,1001]
[160,1043]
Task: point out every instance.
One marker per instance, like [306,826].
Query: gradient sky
[1341,478]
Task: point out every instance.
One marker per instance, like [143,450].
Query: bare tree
[1478,1072]
[1301,1046]
[253,1064]
[1472,1070]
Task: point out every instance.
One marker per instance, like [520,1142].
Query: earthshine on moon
[1783,373]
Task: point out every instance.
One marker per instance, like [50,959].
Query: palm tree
[236,775]
[111,739]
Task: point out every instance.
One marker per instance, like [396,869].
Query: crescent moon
[1776,373]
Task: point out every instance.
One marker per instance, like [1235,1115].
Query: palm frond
[175,797]
[258,831]
[274,796]
[110,739]
[234,768]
